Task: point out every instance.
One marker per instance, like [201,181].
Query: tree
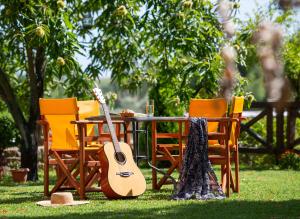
[37,48]
[292,63]
[251,67]
[172,45]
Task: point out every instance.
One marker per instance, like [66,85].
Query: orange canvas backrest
[88,108]
[59,113]
[236,111]
[208,108]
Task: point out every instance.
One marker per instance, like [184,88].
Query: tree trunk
[29,148]
[29,130]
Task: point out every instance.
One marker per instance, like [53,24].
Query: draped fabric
[197,179]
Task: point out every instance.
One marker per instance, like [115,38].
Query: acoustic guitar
[120,176]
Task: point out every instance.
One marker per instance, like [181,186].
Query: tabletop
[119,119]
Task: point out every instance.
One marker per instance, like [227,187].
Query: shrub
[257,161]
[290,160]
[9,135]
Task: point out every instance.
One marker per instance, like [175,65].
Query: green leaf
[67,21]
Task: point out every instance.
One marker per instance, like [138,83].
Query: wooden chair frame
[162,152]
[82,161]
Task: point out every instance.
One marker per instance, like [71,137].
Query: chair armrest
[42,122]
[218,119]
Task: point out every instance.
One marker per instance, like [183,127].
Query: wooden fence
[285,128]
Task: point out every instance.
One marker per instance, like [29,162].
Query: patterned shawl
[197,179]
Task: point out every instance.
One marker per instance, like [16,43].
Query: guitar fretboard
[111,128]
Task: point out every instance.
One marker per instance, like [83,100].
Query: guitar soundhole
[120,157]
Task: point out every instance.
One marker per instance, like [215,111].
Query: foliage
[172,47]
[14,165]
[37,48]
[39,25]
[290,160]
[292,62]
[9,135]
[248,61]
[258,161]
[259,128]
[135,101]
[110,99]
[241,90]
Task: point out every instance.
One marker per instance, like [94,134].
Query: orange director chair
[212,109]
[218,133]
[61,147]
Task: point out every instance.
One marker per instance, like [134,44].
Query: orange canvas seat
[61,147]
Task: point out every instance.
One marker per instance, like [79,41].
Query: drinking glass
[150,108]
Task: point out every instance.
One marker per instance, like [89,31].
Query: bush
[290,160]
[257,161]
[9,135]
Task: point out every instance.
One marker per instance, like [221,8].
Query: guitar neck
[111,128]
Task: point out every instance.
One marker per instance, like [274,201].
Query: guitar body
[120,179]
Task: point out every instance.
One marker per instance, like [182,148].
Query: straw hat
[61,199]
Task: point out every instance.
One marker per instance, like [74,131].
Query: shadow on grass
[197,209]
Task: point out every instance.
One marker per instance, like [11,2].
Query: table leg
[137,143]
[154,143]
[82,161]
[180,145]
[125,128]
[147,143]
[134,140]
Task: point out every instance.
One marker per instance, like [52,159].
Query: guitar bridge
[125,174]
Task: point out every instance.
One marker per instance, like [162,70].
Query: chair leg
[46,174]
[228,171]
[154,175]
[232,185]
[223,178]
[237,167]
[222,173]
[154,143]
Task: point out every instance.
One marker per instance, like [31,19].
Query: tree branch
[8,96]
[36,76]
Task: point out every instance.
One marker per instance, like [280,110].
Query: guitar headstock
[99,95]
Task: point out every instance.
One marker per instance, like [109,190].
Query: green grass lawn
[264,194]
